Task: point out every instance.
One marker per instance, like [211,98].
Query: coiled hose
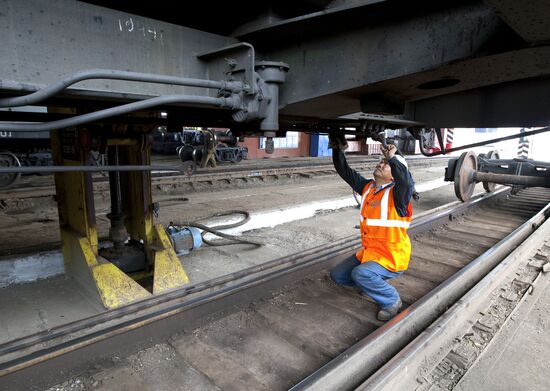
[215,230]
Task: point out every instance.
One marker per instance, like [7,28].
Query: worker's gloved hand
[389,151]
[337,141]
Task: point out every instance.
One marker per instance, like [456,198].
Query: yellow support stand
[74,193]
[115,288]
[169,272]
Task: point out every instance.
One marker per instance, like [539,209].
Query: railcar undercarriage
[99,79]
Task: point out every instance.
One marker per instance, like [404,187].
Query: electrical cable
[215,230]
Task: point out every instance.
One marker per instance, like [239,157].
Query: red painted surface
[254,151]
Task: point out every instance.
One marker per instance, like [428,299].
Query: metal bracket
[439,134]
[232,63]
[426,140]
[260,84]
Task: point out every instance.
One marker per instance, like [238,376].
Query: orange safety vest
[383,232]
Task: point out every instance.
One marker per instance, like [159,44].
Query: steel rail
[91,74]
[363,359]
[83,324]
[50,169]
[393,374]
[156,325]
[158,317]
[251,172]
[248,173]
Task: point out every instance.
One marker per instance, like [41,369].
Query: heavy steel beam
[333,67]
[376,56]
[45,41]
[529,19]
[514,104]
[373,56]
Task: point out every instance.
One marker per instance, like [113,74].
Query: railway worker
[386,212]
[209,156]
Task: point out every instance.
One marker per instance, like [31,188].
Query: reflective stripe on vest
[363,199]
[383,232]
[383,220]
[388,223]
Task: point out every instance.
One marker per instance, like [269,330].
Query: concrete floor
[37,306]
[53,301]
[518,357]
[30,308]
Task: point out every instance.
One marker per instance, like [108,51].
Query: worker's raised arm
[354,179]
[404,183]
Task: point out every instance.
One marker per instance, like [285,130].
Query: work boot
[389,312]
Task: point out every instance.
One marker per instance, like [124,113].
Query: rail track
[225,175]
[283,324]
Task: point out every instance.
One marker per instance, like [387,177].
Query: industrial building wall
[255,152]
[308,145]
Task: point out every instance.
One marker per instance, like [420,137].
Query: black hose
[215,230]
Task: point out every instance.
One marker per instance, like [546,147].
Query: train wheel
[238,157]
[490,186]
[189,167]
[465,166]
[219,154]
[8,159]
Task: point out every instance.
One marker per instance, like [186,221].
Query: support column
[75,202]
[168,272]
[137,244]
